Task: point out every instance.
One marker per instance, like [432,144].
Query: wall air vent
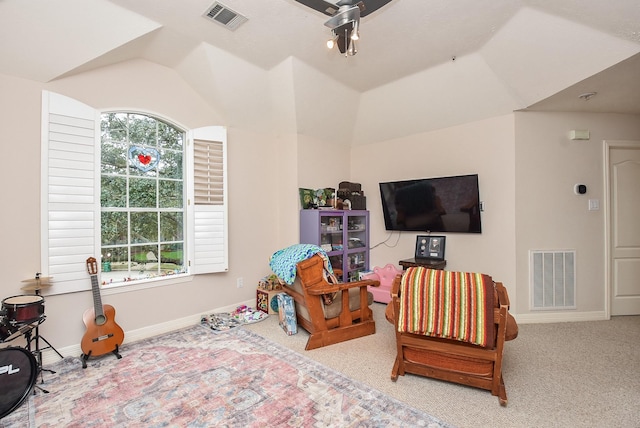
[553,279]
[221,14]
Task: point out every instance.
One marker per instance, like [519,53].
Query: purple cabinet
[344,235]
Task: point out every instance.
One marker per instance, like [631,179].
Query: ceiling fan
[330,8]
[345,20]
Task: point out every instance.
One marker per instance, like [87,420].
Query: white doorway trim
[607,147]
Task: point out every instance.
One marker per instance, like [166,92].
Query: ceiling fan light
[352,50]
[355,34]
[346,24]
[331,43]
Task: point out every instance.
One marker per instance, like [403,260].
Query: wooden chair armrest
[511,326]
[503,297]
[319,289]
[395,286]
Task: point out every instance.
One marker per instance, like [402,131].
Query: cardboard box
[287,313]
[266,301]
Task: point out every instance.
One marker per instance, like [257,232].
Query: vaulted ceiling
[542,54]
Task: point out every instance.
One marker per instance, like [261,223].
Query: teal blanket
[283,262]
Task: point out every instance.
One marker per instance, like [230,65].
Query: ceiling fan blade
[330,9]
[322,6]
[371,6]
[346,14]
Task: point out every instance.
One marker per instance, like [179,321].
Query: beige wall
[322,163]
[483,147]
[550,216]
[527,168]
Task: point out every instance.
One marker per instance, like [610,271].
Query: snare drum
[18,374]
[23,309]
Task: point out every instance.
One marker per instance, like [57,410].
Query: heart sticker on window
[145,159]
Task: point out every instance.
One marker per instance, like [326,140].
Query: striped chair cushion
[450,305]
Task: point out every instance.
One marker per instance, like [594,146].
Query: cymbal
[34,287]
[38,283]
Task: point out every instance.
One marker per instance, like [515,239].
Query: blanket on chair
[451,305]
[283,262]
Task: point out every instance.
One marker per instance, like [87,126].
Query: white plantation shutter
[208,202]
[70,201]
[70,197]
[208,170]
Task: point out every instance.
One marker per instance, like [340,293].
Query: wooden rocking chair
[454,360]
[347,317]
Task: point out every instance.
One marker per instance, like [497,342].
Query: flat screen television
[441,204]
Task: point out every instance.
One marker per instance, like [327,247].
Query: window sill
[126,287]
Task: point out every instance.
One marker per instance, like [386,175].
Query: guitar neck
[97,299]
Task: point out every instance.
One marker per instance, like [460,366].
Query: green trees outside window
[142,197]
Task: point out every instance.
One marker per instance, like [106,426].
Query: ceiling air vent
[224,16]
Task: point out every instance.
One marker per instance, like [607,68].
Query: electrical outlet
[239,283]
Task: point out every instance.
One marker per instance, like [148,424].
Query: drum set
[21,316]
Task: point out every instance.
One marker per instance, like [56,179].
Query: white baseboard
[50,357]
[551,317]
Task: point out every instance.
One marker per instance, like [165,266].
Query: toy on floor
[227,320]
[385,275]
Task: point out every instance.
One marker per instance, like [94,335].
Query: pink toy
[385,275]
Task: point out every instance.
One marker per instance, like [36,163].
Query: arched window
[142,197]
[140,194]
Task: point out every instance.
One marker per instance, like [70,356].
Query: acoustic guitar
[103,334]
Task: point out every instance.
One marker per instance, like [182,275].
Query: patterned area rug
[198,377]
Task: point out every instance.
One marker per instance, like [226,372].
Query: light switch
[594,204]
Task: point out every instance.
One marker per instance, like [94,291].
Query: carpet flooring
[198,377]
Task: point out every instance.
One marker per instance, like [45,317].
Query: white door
[624,226]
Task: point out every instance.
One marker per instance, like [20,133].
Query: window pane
[115,264]
[170,165]
[113,192]
[142,193]
[114,158]
[169,137]
[144,227]
[144,258]
[172,259]
[170,194]
[114,127]
[117,256]
[171,227]
[114,228]
[142,130]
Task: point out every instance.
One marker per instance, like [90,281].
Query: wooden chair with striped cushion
[451,326]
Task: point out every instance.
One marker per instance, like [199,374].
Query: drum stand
[38,350]
[36,284]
